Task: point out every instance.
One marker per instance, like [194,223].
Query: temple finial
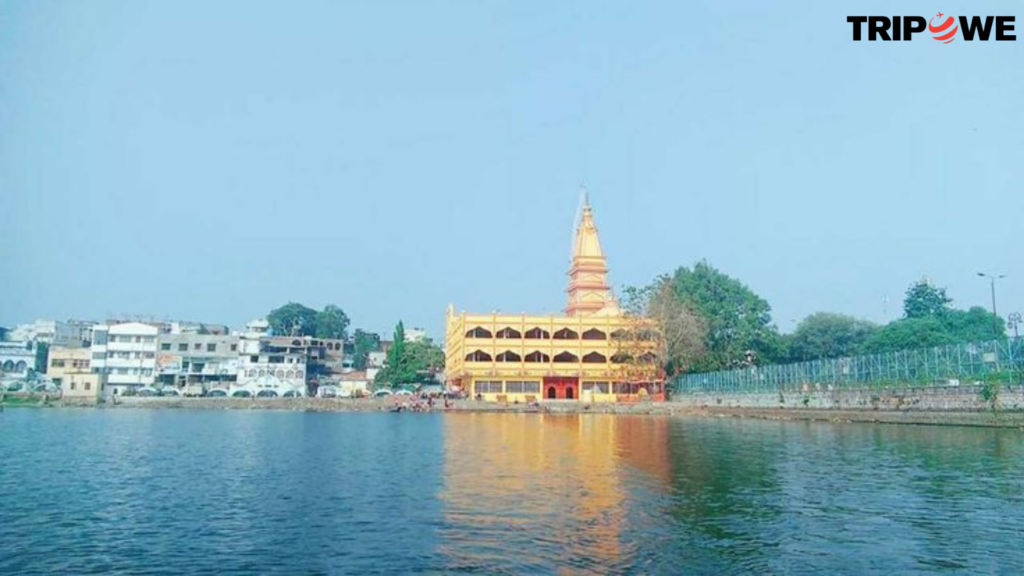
[584,196]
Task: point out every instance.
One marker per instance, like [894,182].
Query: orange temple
[594,353]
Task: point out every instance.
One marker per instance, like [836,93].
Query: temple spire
[589,292]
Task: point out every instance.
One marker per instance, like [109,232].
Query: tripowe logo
[943,28]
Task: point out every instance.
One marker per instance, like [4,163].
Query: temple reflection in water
[567,477]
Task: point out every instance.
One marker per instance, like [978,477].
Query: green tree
[42,357]
[909,333]
[923,300]
[397,351]
[932,321]
[293,319]
[396,370]
[331,322]
[425,357]
[363,343]
[739,322]
[974,325]
[410,362]
[828,335]
[681,331]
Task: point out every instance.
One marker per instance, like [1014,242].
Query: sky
[213,160]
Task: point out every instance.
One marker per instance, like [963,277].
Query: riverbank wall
[974,398]
[963,406]
[923,399]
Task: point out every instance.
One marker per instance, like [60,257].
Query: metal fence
[951,365]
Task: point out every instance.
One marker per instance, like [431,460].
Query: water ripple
[170,492]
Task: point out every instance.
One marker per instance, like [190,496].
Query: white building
[376,359]
[17,361]
[125,354]
[257,328]
[188,327]
[415,334]
[52,332]
[264,370]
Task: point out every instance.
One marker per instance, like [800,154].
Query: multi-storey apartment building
[269,370]
[195,363]
[125,354]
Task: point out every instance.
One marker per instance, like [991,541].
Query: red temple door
[560,388]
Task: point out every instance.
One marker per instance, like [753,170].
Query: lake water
[167,491]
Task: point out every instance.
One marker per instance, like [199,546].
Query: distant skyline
[212,161]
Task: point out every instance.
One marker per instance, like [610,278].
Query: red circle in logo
[948,36]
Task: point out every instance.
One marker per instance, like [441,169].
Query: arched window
[263,372]
[252,373]
[478,356]
[508,333]
[594,358]
[594,334]
[289,374]
[647,358]
[566,357]
[621,334]
[537,356]
[296,343]
[508,356]
[646,334]
[298,373]
[621,358]
[478,332]
[566,334]
[537,334]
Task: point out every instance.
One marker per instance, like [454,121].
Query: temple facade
[593,353]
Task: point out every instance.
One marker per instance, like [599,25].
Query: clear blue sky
[211,160]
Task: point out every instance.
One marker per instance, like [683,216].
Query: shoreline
[976,418]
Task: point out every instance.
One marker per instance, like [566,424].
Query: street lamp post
[992,282]
[991,279]
[1013,320]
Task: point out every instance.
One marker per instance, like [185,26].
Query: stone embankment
[955,406]
[378,405]
[930,399]
[988,418]
[951,405]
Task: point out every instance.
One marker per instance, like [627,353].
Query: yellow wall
[82,385]
[467,373]
[64,361]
